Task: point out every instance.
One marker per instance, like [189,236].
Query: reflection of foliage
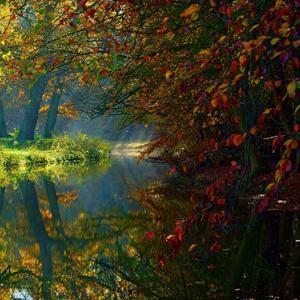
[56,172]
[246,260]
[106,254]
[68,197]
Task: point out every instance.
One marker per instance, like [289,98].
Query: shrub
[60,150]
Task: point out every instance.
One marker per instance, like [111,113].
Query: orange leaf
[171,238]
[214,103]
[190,10]
[224,100]
[237,78]
[278,175]
[192,247]
[285,165]
[238,139]
[213,3]
[277,83]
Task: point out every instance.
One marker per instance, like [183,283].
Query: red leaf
[150,235]
[161,262]
[90,12]
[179,231]
[283,12]
[276,142]
[213,218]
[234,66]
[82,3]
[220,202]
[297,127]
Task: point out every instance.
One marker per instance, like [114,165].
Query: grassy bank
[59,150]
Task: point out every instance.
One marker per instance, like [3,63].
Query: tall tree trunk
[2,192]
[3,132]
[28,126]
[53,111]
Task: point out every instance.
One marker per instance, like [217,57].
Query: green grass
[64,149]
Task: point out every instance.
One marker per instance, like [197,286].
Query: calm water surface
[53,229]
[81,233]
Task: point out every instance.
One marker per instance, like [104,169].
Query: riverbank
[59,150]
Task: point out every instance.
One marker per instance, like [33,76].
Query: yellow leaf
[253,27]
[168,74]
[275,41]
[267,111]
[278,4]
[223,85]
[204,52]
[291,144]
[276,54]
[210,88]
[190,10]
[6,55]
[291,89]
[262,38]
[222,38]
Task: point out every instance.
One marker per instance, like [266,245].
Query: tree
[3,131]
[29,123]
[53,110]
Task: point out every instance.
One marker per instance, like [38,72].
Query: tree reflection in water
[52,248]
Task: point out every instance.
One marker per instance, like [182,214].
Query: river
[99,232]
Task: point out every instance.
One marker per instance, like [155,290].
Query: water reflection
[53,228]
[81,234]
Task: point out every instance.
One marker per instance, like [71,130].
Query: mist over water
[109,128]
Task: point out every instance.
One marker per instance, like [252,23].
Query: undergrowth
[63,149]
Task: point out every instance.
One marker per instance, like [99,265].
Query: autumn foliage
[219,79]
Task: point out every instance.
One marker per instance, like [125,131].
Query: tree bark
[29,123]
[52,113]
[2,192]
[3,131]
